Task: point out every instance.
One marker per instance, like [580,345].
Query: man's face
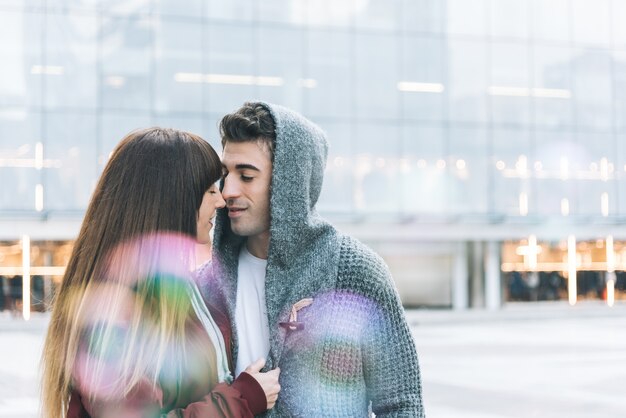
[247,178]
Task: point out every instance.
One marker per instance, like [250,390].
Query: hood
[303,251]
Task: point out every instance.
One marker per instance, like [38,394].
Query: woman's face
[211,201]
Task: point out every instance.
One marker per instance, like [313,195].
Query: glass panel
[423,15]
[467,78]
[560,157]
[376,169]
[467,18]
[328,90]
[592,89]
[70,70]
[376,76]
[281,73]
[19,176]
[126,7]
[509,90]
[240,10]
[231,59]
[552,94]
[591,22]
[618,11]
[189,124]
[423,70]
[70,140]
[283,11]
[620,170]
[424,184]
[597,174]
[513,169]
[114,127]
[338,191]
[190,8]
[179,70]
[26,5]
[124,41]
[73,5]
[20,72]
[619,78]
[332,13]
[551,20]
[378,14]
[468,170]
[509,18]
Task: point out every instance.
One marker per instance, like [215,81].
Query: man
[317,304]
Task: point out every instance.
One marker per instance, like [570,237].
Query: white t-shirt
[253,334]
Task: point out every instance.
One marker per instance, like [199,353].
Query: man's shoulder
[359,262]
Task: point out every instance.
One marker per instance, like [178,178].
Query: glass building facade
[457,128]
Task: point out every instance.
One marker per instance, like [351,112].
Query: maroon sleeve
[252,392]
[224,401]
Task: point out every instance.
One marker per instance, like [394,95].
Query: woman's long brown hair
[153,183]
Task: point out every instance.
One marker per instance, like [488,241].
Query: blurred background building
[478,146]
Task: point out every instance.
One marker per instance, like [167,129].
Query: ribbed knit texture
[355,347]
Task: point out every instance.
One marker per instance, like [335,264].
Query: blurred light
[564,168]
[421,163]
[47,69]
[500,165]
[526,92]
[25,277]
[538,166]
[441,164]
[610,254]
[380,162]
[38,155]
[532,252]
[604,169]
[39,197]
[410,86]
[308,83]
[571,269]
[593,167]
[246,80]
[565,207]
[405,165]
[460,164]
[523,204]
[522,166]
[74,152]
[610,289]
[552,93]
[115,81]
[604,204]
[338,161]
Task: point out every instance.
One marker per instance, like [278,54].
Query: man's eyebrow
[246,167]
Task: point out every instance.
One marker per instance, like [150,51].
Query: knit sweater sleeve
[390,365]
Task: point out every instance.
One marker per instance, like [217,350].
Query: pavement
[542,360]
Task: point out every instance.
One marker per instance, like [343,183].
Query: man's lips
[235,212]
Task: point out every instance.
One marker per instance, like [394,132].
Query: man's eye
[246,178]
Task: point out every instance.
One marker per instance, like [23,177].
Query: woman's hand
[268,380]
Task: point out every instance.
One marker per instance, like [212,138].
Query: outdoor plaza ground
[545,360]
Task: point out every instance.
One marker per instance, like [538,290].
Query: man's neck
[259,245]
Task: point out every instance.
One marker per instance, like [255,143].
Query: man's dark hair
[252,122]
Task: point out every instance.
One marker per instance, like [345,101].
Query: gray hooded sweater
[352,351]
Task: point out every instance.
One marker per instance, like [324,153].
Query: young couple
[290,318]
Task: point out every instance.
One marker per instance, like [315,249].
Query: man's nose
[230,190]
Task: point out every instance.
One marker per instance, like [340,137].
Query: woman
[129,333]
